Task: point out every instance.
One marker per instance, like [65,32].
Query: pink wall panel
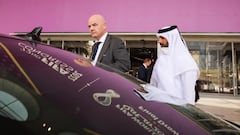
[121,15]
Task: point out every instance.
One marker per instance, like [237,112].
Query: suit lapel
[104,48]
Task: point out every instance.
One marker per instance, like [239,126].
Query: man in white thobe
[175,71]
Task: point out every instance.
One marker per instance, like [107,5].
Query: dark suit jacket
[142,73]
[114,54]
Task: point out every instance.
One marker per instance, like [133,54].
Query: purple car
[44,91]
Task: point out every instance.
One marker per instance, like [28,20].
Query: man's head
[97,26]
[167,37]
[164,35]
[147,61]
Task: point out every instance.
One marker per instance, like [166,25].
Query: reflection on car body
[43,91]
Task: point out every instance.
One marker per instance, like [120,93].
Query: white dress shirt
[102,40]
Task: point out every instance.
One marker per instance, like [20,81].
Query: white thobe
[175,71]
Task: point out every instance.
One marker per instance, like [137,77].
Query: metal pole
[219,71]
[63,44]
[234,71]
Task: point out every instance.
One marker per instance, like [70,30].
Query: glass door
[219,66]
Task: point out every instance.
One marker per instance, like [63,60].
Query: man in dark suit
[143,69]
[111,50]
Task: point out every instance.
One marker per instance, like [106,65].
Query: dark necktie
[95,48]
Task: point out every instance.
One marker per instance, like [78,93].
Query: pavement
[225,106]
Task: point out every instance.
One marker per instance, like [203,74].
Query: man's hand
[83,62]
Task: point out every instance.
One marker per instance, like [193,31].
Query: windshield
[210,123]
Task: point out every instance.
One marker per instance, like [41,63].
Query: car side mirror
[34,34]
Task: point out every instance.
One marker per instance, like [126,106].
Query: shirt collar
[103,38]
[144,65]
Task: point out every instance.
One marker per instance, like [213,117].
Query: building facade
[217,54]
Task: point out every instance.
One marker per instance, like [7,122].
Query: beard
[164,50]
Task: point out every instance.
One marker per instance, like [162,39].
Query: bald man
[111,50]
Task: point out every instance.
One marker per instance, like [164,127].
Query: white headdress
[176,61]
